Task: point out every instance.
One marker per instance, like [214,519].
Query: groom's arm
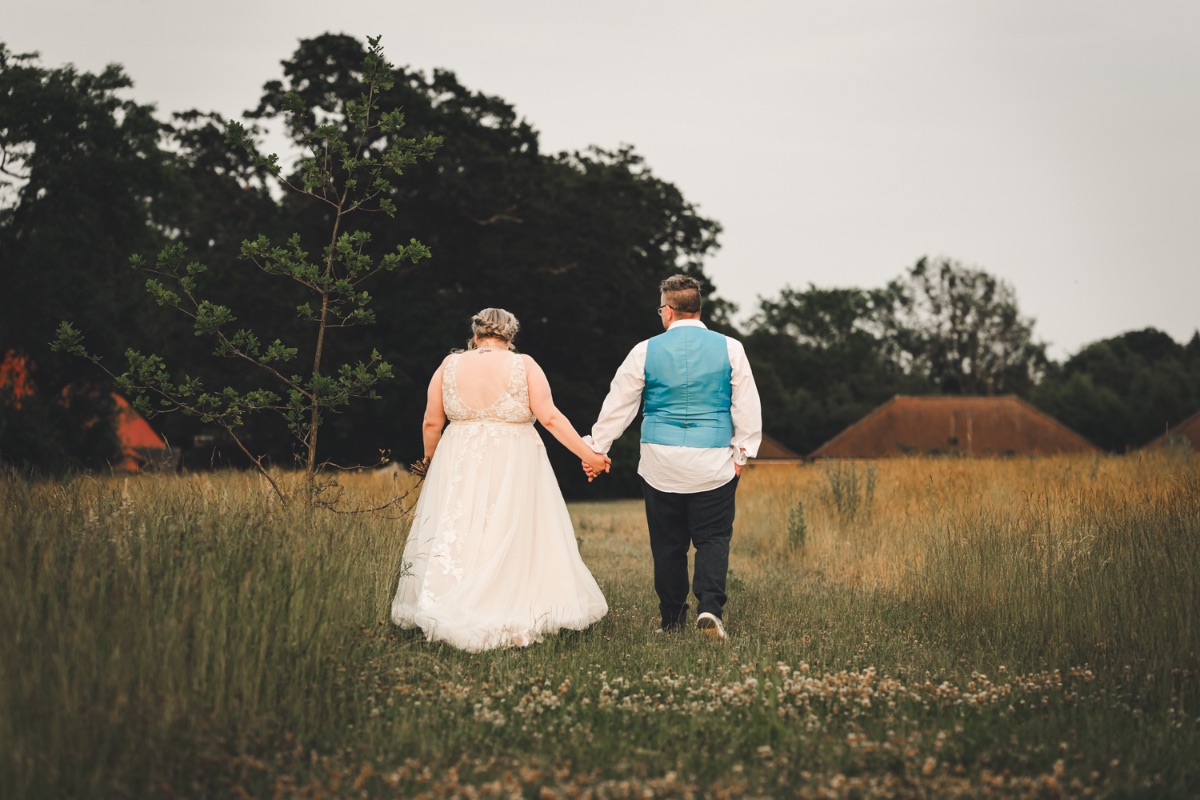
[623,400]
[745,407]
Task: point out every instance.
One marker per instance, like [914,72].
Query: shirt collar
[688,323]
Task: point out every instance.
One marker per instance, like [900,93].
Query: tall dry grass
[185,636]
[1067,560]
[140,610]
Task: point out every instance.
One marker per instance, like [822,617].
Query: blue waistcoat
[688,391]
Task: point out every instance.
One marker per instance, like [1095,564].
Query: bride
[491,560]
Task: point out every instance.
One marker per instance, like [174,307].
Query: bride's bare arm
[541,402]
[435,412]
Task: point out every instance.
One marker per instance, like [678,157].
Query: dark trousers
[677,521]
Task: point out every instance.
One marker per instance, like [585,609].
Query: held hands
[595,464]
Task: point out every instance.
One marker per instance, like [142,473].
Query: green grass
[1028,628]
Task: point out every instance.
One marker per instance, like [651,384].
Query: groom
[701,420]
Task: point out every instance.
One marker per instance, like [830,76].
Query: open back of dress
[492,560]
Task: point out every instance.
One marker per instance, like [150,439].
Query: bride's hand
[596,463]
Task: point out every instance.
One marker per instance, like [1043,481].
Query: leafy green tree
[827,357]
[1124,391]
[962,328]
[824,358]
[573,243]
[83,176]
[351,158]
[83,182]
[42,434]
[223,198]
[859,320]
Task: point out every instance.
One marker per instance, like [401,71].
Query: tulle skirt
[492,560]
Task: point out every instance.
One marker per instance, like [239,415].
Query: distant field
[920,627]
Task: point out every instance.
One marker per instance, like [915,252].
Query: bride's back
[479,379]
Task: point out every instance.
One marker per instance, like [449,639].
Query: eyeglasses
[660,308]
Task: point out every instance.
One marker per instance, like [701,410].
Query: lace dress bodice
[491,558]
[512,406]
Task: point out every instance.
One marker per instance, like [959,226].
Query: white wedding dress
[491,560]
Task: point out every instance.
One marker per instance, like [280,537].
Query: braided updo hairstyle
[494,322]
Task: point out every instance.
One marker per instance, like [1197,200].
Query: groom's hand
[591,472]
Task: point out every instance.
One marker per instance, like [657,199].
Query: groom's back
[687,395]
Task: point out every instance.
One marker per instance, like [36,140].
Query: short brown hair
[682,293]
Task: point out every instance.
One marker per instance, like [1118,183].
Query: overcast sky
[1055,144]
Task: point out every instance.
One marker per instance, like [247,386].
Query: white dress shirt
[669,468]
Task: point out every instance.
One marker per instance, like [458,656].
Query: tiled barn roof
[1188,430]
[968,426]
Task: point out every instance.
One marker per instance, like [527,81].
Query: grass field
[929,628]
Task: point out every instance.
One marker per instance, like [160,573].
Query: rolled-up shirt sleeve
[623,401]
[745,406]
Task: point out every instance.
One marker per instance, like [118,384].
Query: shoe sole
[710,629]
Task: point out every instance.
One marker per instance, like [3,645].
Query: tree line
[826,357]
[573,243]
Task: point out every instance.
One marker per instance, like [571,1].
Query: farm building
[14,379]
[141,447]
[1187,431]
[965,426]
[772,451]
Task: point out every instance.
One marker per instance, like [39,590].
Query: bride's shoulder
[531,366]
